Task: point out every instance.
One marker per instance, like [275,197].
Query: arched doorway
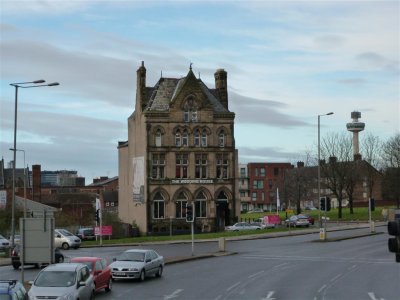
[222,211]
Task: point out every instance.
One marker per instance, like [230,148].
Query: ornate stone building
[180,149]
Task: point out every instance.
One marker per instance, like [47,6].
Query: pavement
[4,261]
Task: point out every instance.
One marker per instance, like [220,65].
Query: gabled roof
[167,89]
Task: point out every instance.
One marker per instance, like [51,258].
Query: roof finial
[191,66]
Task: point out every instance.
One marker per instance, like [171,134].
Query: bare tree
[337,149]
[391,164]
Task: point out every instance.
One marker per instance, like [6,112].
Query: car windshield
[131,256]
[2,237]
[65,232]
[55,279]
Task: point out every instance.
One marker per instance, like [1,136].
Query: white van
[65,239]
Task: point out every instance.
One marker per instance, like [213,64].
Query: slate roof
[166,89]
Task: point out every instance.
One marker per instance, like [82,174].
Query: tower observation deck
[355,127]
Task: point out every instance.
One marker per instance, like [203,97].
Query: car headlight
[67,297]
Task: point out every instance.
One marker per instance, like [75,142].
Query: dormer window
[158,138]
[190,110]
[178,139]
[221,139]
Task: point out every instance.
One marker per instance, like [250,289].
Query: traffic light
[189,213]
[328,204]
[322,202]
[97,215]
[394,243]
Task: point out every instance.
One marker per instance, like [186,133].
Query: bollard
[221,244]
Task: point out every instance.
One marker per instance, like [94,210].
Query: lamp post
[24,180]
[28,84]
[319,174]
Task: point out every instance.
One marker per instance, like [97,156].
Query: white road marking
[233,286]
[372,296]
[321,288]
[173,295]
[269,295]
[255,274]
[336,277]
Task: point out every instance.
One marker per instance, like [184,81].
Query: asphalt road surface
[298,267]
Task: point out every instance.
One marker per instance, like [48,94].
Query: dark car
[85,234]
[16,263]
[12,289]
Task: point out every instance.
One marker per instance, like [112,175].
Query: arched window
[201,205]
[204,138]
[222,196]
[221,139]
[190,110]
[178,139]
[158,138]
[158,206]
[180,203]
[185,138]
[197,138]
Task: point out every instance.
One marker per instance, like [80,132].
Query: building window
[221,139]
[180,203]
[158,165]
[242,194]
[158,206]
[190,110]
[185,138]
[182,165]
[158,138]
[204,138]
[276,171]
[107,203]
[201,205]
[112,203]
[178,139]
[270,183]
[255,172]
[258,184]
[197,138]
[222,166]
[201,166]
[242,172]
[254,196]
[262,172]
[262,196]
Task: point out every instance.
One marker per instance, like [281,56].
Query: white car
[137,264]
[4,243]
[70,281]
[242,226]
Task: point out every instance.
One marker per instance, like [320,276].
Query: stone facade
[180,149]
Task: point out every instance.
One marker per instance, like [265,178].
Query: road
[298,267]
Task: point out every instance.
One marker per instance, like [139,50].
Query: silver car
[4,243]
[70,281]
[137,263]
[65,239]
[243,226]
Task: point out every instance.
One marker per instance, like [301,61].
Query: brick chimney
[221,85]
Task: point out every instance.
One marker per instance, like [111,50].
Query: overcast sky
[287,63]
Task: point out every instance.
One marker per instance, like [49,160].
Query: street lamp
[28,84]
[24,180]
[319,170]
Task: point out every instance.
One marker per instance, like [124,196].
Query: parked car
[12,289]
[4,243]
[85,234]
[242,226]
[297,221]
[310,219]
[15,257]
[261,222]
[137,263]
[65,239]
[70,281]
[100,270]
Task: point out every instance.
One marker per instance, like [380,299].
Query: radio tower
[355,127]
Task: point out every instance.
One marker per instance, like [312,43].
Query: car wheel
[65,246]
[109,286]
[159,271]
[60,259]
[142,276]
[15,266]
